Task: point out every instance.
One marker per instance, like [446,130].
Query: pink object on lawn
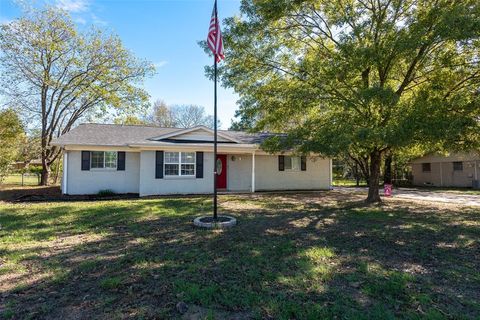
[387,188]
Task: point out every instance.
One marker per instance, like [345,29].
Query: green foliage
[162,115]
[180,116]
[56,75]
[356,78]
[129,120]
[30,147]
[106,193]
[111,283]
[11,132]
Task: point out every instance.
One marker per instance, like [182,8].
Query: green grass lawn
[16,179]
[348,183]
[292,256]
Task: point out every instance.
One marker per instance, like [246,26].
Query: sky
[165,32]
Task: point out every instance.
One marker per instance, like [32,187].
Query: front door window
[219,167]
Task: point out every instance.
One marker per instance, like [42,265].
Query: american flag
[214,38]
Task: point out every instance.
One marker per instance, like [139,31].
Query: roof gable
[92,134]
[197,134]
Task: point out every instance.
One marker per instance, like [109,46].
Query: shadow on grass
[296,256]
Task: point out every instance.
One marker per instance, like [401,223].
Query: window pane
[171,157]
[188,169]
[188,157]
[295,163]
[110,159]
[458,166]
[292,163]
[288,163]
[426,167]
[97,159]
[171,169]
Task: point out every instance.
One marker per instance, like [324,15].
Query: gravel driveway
[454,197]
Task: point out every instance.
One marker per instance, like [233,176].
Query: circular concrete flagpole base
[209,223]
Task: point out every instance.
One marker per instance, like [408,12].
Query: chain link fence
[21,179]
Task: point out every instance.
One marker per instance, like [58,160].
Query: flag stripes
[214,38]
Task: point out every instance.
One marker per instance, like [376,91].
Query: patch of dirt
[195,312]
[11,193]
[51,193]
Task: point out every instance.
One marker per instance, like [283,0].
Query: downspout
[476,172]
[253,171]
[65,172]
[330,176]
[441,175]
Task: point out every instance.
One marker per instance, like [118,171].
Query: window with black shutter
[281,163]
[85,160]
[291,164]
[199,164]
[303,163]
[159,165]
[121,161]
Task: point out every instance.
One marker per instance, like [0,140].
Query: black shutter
[159,165]
[121,160]
[85,160]
[303,163]
[281,163]
[199,164]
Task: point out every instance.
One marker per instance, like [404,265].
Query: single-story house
[454,170]
[18,165]
[151,160]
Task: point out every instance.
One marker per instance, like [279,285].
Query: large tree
[181,116]
[57,75]
[30,147]
[357,77]
[11,135]
[190,115]
[162,115]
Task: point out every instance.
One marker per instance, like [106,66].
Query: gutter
[65,172]
[138,147]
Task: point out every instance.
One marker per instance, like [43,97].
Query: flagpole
[215,175]
[217,53]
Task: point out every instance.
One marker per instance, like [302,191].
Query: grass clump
[106,193]
[111,283]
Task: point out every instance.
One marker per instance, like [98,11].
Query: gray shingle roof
[123,135]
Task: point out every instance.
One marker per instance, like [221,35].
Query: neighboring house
[151,161]
[18,165]
[454,170]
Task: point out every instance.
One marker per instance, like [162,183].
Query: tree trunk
[357,175]
[56,171]
[45,176]
[387,177]
[374,179]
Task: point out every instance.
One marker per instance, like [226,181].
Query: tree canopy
[57,75]
[181,116]
[11,135]
[357,77]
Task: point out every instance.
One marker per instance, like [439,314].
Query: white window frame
[104,168]
[292,169]
[179,163]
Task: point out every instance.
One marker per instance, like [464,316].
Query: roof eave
[219,144]
[187,130]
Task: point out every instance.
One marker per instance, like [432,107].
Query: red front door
[222,171]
